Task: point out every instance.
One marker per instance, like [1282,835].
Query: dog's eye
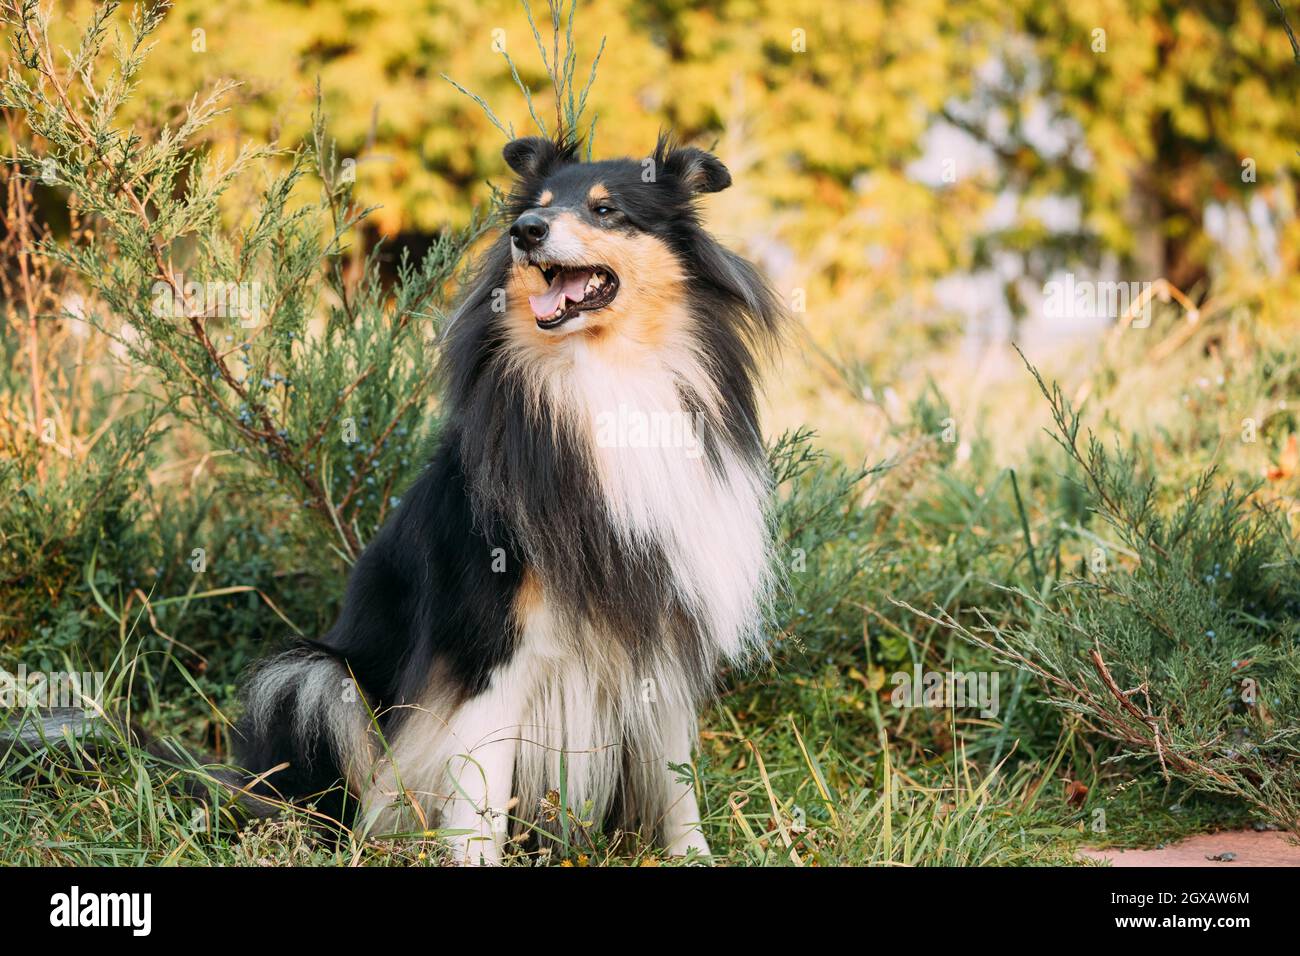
[603,210]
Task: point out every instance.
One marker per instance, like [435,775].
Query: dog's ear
[531,156]
[698,171]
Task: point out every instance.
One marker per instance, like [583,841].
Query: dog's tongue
[570,284]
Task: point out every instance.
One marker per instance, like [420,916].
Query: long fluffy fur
[537,597]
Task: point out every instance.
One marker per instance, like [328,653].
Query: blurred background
[1108,185]
[911,175]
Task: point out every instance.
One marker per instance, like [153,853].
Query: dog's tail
[97,733]
[306,727]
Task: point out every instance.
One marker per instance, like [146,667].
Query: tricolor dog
[553,598]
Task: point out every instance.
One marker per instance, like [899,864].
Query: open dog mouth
[572,289]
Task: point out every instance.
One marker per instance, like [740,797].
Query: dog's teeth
[592,284]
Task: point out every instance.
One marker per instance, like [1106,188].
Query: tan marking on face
[545,198]
[597,194]
[650,303]
[648,321]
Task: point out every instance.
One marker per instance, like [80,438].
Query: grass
[937,531]
[769,799]
[775,792]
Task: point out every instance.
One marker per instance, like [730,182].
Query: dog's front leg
[682,830]
[480,774]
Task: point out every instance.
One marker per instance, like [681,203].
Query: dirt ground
[1230,848]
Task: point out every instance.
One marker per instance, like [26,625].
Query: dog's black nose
[529,230]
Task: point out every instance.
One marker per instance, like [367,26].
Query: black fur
[425,593]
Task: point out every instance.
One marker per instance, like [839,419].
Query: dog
[553,599]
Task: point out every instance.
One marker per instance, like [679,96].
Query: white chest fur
[572,710]
[661,489]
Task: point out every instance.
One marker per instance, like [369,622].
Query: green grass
[781,790]
[120,806]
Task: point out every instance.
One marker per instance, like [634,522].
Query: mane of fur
[436,625]
[526,471]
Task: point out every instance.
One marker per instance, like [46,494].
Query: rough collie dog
[552,600]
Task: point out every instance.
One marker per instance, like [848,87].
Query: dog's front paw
[476,839]
[474,850]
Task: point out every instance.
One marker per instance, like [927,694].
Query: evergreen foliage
[214,385]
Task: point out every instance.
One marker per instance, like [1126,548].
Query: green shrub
[1180,641]
[241,321]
